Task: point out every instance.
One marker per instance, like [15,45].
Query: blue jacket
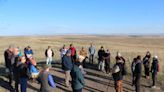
[67,63]
[33,69]
[77,78]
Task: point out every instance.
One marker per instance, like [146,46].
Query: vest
[45,87]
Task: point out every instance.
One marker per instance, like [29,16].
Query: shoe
[153,87]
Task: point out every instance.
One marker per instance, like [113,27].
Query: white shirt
[49,53]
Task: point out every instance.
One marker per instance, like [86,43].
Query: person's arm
[52,53]
[32,52]
[80,78]
[46,53]
[51,81]
[94,50]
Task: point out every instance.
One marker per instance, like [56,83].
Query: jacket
[8,55]
[66,63]
[154,67]
[83,53]
[100,54]
[46,54]
[73,51]
[77,78]
[47,82]
[138,69]
[91,50]
[118,75]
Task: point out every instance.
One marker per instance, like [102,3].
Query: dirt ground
[96,81]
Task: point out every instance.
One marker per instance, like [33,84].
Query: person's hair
[139,57]
[49,46]
[71,44]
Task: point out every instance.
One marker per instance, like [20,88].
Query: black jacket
[8,55]
[119,75]
[100,54]
[138,70]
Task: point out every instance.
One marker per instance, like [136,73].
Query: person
[137,74]
[120,57]
[146,63]
[8,55]
[83,53]
[80,60]
[133,68]
[91,53]
[73,52]
[77,78]
[20,53]
[117,73]
[154,70]
[67,66]
[23,73]
[46,80]
[49,53]
[100,59]
[15,69]
[63,51]
[28,52]
[106,57]
[33,72]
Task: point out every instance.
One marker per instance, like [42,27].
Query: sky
[52,17]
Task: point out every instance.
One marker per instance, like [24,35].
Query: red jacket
[73,51]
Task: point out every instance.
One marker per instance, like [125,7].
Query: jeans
[67,77]
[23,84]
[101,65]
[91,58]
[48,60]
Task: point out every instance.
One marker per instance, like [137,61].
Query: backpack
[158,67]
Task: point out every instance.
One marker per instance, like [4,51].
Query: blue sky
[50,17]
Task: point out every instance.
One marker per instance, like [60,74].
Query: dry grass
[130,47]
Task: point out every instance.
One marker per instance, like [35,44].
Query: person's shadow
[3,83]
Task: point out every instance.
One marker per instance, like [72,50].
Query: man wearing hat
[67,66]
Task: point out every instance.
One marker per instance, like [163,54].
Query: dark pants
[91,58]
[16,78]
[107,66]
[84,63]
[154,78]
[137,84]
[146,71]
[23,83]
[10,75]
[77,90]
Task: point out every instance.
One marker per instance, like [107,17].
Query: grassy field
[129,46]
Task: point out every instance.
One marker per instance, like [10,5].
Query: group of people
[136,68]
[119,70]
[22,67]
